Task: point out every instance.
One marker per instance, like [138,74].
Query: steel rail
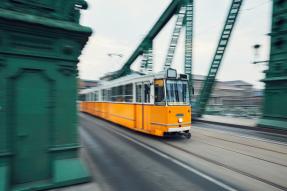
[196,155]
[163,155]
[228,167]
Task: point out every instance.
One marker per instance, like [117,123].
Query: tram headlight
[180,120]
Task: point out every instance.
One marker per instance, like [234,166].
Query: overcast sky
[120,25]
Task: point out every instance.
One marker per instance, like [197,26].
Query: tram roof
[132,78]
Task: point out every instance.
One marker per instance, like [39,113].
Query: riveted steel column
[275,100]
[40,42]
[188,43]
[147,60]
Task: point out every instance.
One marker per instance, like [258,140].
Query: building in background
[83,84]
[235,98]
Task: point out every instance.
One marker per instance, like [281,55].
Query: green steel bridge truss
[183,9]
[208,84]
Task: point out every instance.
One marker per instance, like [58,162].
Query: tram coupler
[187,134]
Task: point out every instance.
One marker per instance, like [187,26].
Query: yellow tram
[157,104]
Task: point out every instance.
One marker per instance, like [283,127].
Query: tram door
[139,106]
[146,105]
[142,108]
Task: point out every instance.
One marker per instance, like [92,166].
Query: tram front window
[177,92]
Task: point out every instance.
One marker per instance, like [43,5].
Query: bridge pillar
[40,42]
[275,101]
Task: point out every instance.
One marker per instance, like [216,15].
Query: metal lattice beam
[188,41]
[147,60]
[175,36]
[207,87]
[162,21]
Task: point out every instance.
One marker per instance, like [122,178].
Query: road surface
[213,159]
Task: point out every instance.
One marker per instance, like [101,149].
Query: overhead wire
[256,6]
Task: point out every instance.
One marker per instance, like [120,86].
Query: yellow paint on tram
[146,118]
[157,104]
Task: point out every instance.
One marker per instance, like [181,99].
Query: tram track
[271,131]
[185,165]
[239,143]
[283,136]
[166,156]
[228,167]
[231,150]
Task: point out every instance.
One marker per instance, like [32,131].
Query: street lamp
[256,54]
[115,55]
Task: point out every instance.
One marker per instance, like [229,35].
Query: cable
[252,8]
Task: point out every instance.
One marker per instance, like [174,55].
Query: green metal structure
[208,84]
[184,11]
[275,112]
[40,42]
[147,60]
[275,98]
[188,41]
[175,36]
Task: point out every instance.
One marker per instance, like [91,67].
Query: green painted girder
[147,41]
[40,45]
[274,114]
[209,82]
[175,36]
[147,60]
[188,42]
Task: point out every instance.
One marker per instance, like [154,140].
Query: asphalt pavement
[213,159]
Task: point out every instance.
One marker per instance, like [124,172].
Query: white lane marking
[238,135]
[179,163]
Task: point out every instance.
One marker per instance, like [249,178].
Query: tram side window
[146,92]
[159,92]
[81,97]
[113,97]
[120,97]
[128,95]
[122,93]
[109,98]
[96,96]
[139,93]
[106,95]
[89,97]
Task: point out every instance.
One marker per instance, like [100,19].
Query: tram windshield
[177,92]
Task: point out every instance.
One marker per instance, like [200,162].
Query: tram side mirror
[192,89]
